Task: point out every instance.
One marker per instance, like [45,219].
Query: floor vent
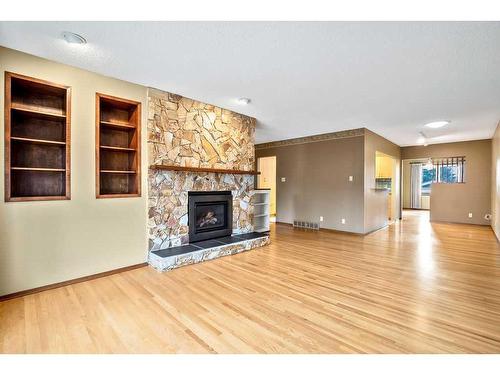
[305,224]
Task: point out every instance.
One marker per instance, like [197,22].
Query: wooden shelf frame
[118,166]
[25,179]
[195,169]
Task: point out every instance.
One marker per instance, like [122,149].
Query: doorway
[385,178]
[267,180]
[417,180]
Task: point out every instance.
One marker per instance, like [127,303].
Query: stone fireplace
[210,215]
[200,139]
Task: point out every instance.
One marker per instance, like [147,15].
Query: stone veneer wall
[185,132]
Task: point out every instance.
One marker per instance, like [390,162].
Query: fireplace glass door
[210,214]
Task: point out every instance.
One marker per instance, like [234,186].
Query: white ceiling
[302,78]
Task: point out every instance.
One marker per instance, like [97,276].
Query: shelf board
[261,230]
[38,141]
[38,169]
[195,169]
[113,148]
[36,111]
[116,171]
[261,215]
[259,204]
[118,125]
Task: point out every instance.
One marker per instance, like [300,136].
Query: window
[428,175]
[449,170]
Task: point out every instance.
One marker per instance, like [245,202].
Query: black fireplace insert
[210,214]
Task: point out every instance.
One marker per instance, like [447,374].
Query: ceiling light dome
[437,124]
[243,101]
[73,38]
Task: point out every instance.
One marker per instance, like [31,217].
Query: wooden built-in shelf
[118,147]
[37,139]
[195,169]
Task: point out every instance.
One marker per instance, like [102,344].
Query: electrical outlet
[321,218]
[470,215]
[283,179]
[351,178]
[343,221]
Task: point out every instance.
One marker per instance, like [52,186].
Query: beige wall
[495,181]
[317,182]
[453,202]
[375,202]
[53,241]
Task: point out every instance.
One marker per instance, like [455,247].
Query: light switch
[283,179]
[351,178]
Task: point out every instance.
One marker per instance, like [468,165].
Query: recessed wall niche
[118,147]
[37,139]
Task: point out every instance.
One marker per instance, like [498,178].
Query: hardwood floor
[410,288]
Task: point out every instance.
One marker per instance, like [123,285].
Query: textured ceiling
[303,78]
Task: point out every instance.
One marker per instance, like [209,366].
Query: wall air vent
[305,224]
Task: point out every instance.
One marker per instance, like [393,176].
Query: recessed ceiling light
[243,101]
[437,124]
[73,38]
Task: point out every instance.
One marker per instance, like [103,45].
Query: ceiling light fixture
[73,38]
[243,101]
[437,124]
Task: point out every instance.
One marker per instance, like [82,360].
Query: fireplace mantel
[195,169]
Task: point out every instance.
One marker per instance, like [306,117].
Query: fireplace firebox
[210,214]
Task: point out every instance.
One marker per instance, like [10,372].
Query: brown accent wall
[495,181]
[375,201]
[317,181]
[317,171]
[453,202]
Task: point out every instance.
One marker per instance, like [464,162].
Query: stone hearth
[174,257]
